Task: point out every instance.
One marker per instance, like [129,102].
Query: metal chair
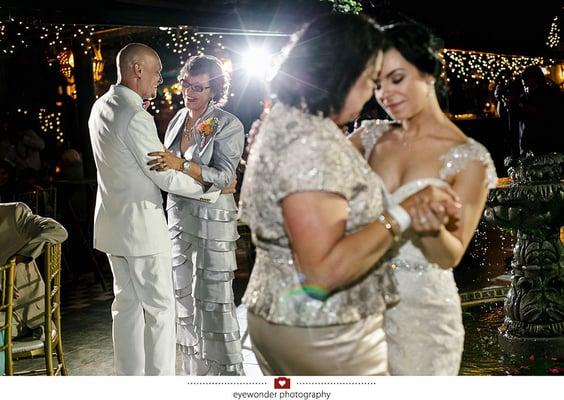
[50,345]
[7,274]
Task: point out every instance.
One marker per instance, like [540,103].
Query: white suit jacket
[129,219]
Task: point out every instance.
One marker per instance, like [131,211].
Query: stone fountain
[531,208]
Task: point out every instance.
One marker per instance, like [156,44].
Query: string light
[50,122]
[553,39]
[5,46]
[474,66]
[16,34]
[185,42]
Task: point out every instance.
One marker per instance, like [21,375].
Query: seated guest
[24,234]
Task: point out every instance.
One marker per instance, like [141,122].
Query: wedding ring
[422,220]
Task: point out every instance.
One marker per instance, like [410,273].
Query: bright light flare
[256,61]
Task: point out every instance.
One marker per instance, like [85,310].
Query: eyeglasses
[196,88]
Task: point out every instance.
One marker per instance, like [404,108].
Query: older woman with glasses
[206,143]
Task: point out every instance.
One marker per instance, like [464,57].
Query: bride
[421,148]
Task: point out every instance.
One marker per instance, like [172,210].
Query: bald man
[129,220]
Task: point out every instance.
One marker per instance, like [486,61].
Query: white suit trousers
[143,315]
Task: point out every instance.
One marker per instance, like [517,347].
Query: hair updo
[417,45]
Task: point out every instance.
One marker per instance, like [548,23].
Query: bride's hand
[431,208]
[165,160]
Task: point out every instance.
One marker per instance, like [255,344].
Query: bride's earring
[431,83]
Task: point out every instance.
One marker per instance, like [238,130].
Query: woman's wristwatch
[186,166]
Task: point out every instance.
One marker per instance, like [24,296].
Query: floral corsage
[206,128]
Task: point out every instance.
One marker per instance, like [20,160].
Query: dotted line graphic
[227,383]
[293,383]
[336,383]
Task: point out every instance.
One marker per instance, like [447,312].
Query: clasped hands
[167,160]
[432,208]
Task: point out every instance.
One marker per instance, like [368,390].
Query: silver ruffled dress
[203,251]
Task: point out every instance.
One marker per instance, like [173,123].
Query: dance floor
[87,337]
[87,330]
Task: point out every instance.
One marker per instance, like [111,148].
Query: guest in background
[507,93]
[129,220]
[206,143]
[7,181]
[540,111]
[23,234]
[28,149]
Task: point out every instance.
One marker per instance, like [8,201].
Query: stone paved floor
[86,326]
[87,331]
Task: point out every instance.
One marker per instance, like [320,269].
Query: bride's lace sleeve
[457,158]
[371,131]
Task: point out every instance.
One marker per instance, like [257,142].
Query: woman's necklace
[187,131]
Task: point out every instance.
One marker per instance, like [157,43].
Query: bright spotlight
[256,61]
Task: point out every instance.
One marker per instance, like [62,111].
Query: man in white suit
[129,220]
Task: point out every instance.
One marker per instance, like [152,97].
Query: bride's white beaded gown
[424,330]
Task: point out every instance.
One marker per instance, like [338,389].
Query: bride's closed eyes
[395,77]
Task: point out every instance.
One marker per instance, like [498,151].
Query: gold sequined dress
[291,332]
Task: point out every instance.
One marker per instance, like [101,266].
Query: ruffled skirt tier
[203,265]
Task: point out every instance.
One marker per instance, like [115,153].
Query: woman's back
[296,152]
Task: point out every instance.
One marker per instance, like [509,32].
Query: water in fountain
[482,353]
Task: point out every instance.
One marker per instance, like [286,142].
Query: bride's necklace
[404,142]
[407,140]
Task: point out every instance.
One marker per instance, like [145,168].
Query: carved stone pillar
[531,207]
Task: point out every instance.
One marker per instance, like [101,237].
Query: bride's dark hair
[420,47]
[417,45]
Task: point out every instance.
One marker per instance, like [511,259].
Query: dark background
[30,78]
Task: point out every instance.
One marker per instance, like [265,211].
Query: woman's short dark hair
[417,45]
[219,78]
[324,60]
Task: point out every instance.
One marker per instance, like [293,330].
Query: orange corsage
[206,127]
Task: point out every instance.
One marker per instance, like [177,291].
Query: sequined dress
[296,152]
[424,330]
[203,251]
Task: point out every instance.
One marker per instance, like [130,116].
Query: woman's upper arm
[227,152]
[314,222]
[231,141]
